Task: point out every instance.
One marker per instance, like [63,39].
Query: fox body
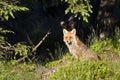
[76,47]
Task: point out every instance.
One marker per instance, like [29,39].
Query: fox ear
[65,31]
[73,31]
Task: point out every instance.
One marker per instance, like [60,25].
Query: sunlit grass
[22,71]
[87,70]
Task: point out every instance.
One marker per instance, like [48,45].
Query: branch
[41,41]
[21,59]
[35,46]
[3,47]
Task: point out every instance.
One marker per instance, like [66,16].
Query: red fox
[76,47]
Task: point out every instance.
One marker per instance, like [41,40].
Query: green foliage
[108,45]
[116,40]
[80,70]
[7,10]
[102,46]
[14,51]
[79,6]
[4,45]
[54,63]
[9,71]
[67,58]
[21,49]
[4,32]
[8,51]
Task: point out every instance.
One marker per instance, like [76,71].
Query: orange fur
[77,48]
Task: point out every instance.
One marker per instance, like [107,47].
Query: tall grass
[101,43]
[80,70]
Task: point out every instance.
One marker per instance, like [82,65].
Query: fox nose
[69,42]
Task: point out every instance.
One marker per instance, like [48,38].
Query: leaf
[79,6]
[6,32]
[7,10]
[11,14]
[6,17]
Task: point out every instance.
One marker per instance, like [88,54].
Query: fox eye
[66,37]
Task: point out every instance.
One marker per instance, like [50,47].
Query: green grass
[67,68]
[65,59]
[22,71]
[82,70]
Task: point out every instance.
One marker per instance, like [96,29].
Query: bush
[102,46]
[16,51]
[108,45]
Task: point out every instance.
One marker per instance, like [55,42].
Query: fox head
[69,37]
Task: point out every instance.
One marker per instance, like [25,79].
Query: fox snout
[69,42]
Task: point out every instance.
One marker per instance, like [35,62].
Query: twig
[3,47]
[35,46]
[40,41]
[23,58]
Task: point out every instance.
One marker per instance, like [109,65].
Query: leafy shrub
[108,45]
[15,51]
[3,32]
[102,46]
[4,45]
[7,10]
[79,6]
[22,49]
[8,51]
